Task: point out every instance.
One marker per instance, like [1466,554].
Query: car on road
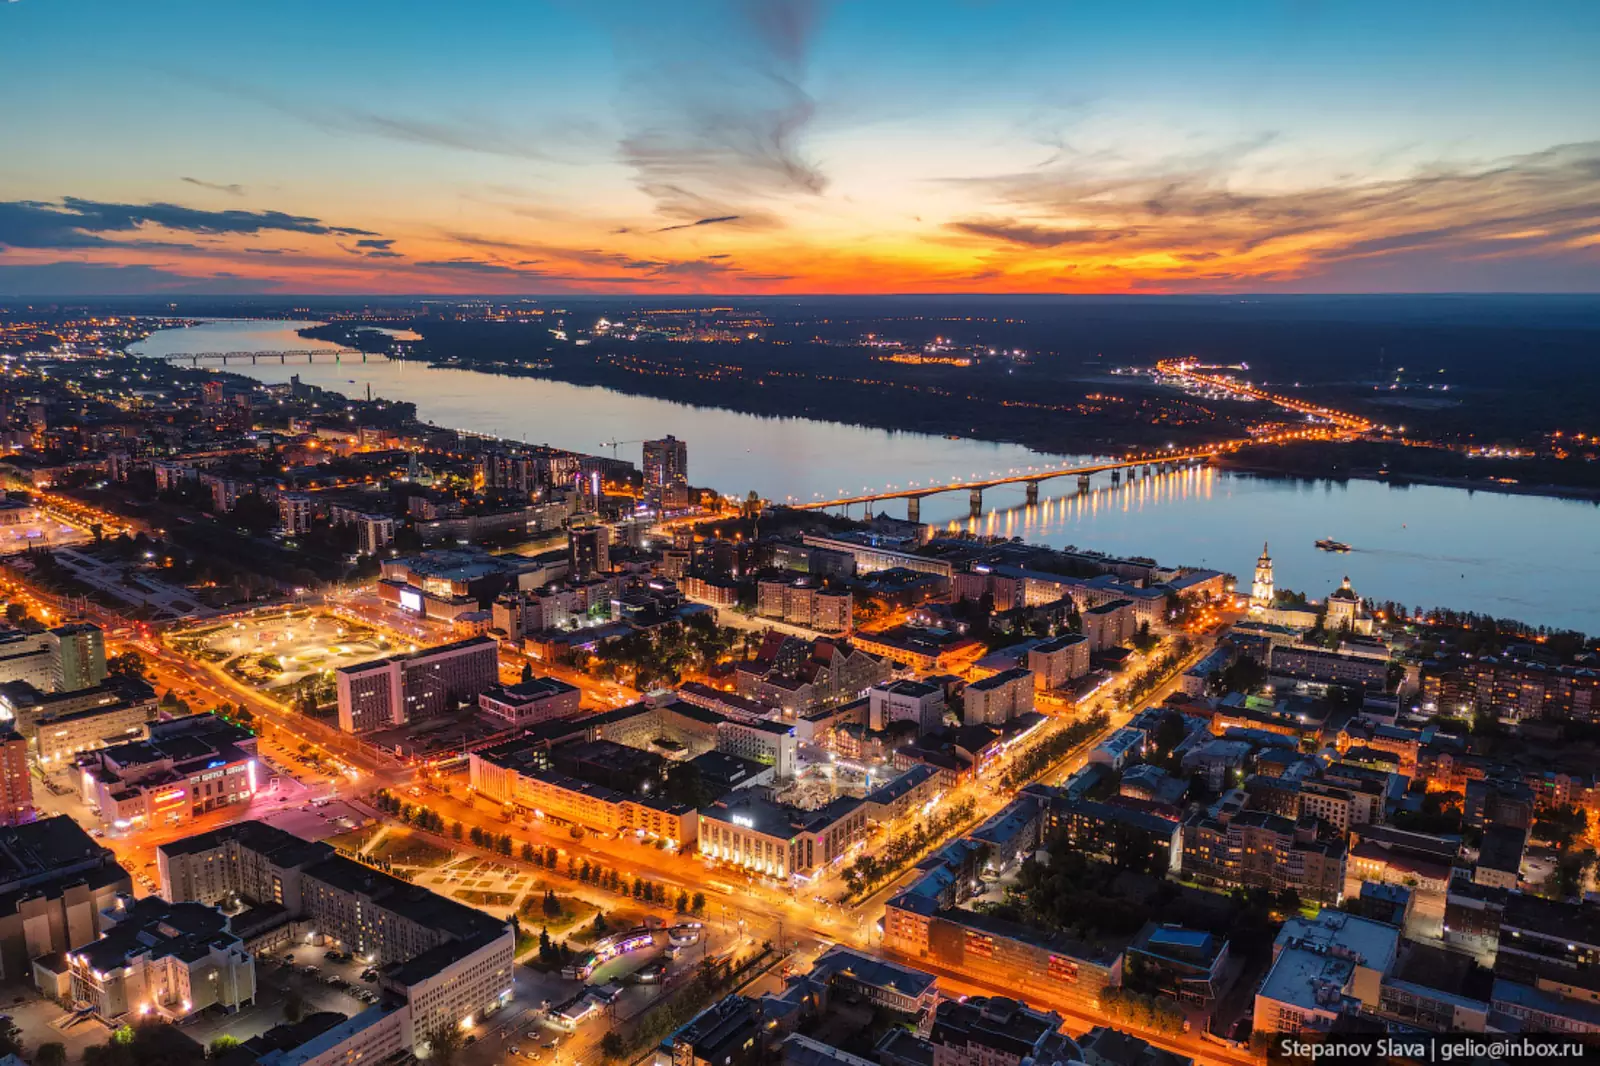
[515,1050]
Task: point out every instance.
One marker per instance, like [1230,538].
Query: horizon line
[174,297]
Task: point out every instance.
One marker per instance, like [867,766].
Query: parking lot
[307,979]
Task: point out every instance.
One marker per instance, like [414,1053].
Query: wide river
[1527,557]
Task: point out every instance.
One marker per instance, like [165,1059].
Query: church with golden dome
[1346,611]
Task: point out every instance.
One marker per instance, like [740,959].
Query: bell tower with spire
[1261,587]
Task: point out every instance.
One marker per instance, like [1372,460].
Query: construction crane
[614,444]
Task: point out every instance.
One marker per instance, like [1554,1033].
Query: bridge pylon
[1033,493]
[976,510]
[1083,482]
[1116,476]
[913,508]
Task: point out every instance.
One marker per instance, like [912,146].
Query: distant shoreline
[1559,492]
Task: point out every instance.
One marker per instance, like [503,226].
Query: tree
[294,1007]
[527,851]
[527,672]
[51,1054]
[456,830]
[445,1045]
[151,1043]
[552,905]
[128,664]
[698,904]
[612,1045]
[219,1045]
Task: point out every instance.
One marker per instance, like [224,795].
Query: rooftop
[421,654]
[996,1022]
[908,687]
[1335,933]
[152,926]
[873,972]
[888,793]
[537,688]
[1000,680]
[47,848]
[776,820]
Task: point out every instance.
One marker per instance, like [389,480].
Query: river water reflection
[1528,557]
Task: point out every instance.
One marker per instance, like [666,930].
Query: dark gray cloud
[717,268]
[585,256]
[231,190]
[375,248]
[477,266]
[699,222]
[1031,236]
[78,223]
[713,103]
[546,280]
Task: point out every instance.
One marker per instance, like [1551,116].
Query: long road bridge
[308,354]
[1195,373]
[1332,424]
[1134,464]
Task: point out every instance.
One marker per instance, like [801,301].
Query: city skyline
[799,148]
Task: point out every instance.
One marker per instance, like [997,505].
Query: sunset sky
[733,146]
